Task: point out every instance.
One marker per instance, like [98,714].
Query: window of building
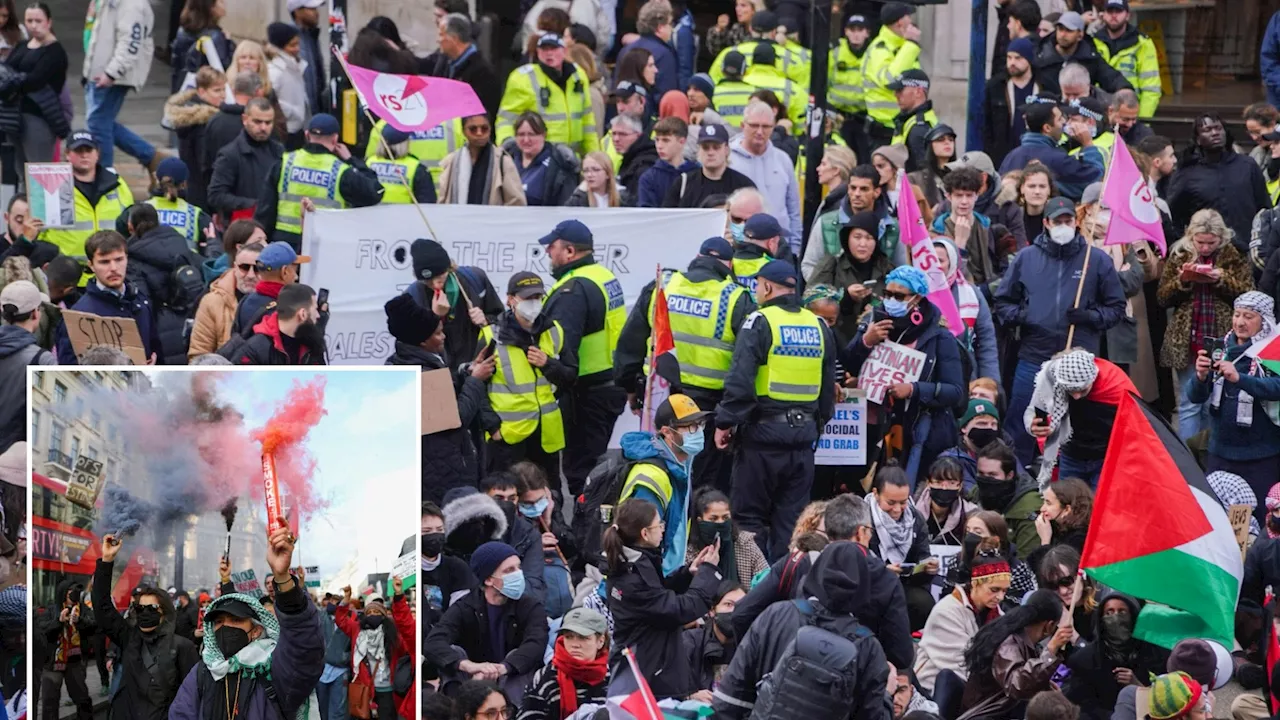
[35,427]
[75,447]
[91,453]
[95,419]
[55,436]
[59,392]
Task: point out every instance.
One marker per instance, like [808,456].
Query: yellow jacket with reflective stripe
[311,175]
[1273,191]
[607,145]
[793,372]
[521,395]
[430,147]
[653,477]
[180,215]
[793,58]
[595,352]
[731,100]
[900,136]
[887,57]
[1140,65]
[844,73]
[1104,142]
[700,316]
[89,220]
[745,271]
[766,77]
[395,191]
[566,111]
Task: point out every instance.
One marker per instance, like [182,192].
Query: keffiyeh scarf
[896,536]
[1070,372]
[254,660]
[1232,489]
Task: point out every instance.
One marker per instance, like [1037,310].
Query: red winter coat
[406,705]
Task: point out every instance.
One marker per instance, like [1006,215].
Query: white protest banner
[246,582]
[362,256]
[889,364]
[843,440]
[406,568]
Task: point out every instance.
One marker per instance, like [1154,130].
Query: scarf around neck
[371,645]
[896,536]
[571,670]
[255,658]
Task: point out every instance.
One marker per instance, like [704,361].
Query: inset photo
[224,543]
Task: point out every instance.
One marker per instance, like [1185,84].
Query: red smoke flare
[283,437]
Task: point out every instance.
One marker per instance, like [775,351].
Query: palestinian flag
[1267,353]
[664,375]
[1187,564]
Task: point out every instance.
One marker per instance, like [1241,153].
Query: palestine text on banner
[1147,466]
[889,364]
[843,440]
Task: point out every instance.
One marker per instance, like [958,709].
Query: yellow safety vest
[430,147]
[567,111]
[700,325]
[309,175]
[522,396]
[396,177]
[651,476]
[745,271]
[846,93]
[792,97]
[887,57]
[180,215]
[89,220]
[1140,65]
[793,372]
[595,353]
[1273,191]
[793,57]
[731,101]
[612,152]
[1104,143]
[901,137]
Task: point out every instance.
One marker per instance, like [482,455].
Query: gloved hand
[1083,317]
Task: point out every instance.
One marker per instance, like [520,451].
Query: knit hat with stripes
[1174,695]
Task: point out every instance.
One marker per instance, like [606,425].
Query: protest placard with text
[86,482]
[246,582]
[87,330]
[843,440]
[889,364]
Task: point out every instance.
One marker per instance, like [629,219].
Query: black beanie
[430,259]
[279,34]
[863,221]
[894,11]
[409,322]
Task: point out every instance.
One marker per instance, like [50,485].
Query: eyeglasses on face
[477,129]
[502,713]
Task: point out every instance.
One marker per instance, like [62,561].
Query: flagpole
[1088,244]
[653,344]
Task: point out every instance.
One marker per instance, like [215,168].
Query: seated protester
[833,592]
[479,700]
[463,644]
[156,253]
[649,609]
[1052,704]
[291,335]
[559,547]
[970,230]
[859,268]
[278,265]
[712,521]
[1260,570]
[1099,669]
[1005,663]
[863,193]
[217,310]
[246,648]
[986,524]
[985,388]
[907,698]
[979,338]
[470,520]
[1064,517]
[437,706]
[711,644]
[956,619]
[521,534]
[577,672]
[379,640]
[448,457]
[1058,571]
[109,294]
[443,577]
[670,135]
[1243,398]
[1177,696]
[942,505]
[1007,489]
[1231,489]
[1195,657]
[901,538]
[979,427]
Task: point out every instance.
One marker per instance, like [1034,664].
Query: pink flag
[1134,215]
[411,102]
[913,233]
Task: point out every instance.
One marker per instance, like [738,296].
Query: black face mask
[432,544]
[231,640]
[148,617]
[995,495]
[982,437]
[370,622]
[709,531]
[508,509]
[724,623]
[944,498]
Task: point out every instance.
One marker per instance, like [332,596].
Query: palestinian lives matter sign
[246,583]
[86,482]
[844,438]
[889,364]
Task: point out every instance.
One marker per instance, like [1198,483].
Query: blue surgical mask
[513,585]
[895,307]
[694,443]
[534,510]
[737,230]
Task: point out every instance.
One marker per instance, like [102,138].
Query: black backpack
[602,488]
[816,676]
[402,676]
[186,289]
[232,346]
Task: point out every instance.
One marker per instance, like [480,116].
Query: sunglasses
[153,606]
[247,267]
[1065,582]
[898,295]
[477,129]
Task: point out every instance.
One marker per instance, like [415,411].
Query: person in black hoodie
[186,616]
[154,657]
[155,253]
[1211,174]
[637,149]
[462,298]
[1099,669]
[834,590]
[711,645]
[67,627]
[443,575]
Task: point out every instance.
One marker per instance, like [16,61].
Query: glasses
[501,713]
[1064,582]
[247,267]
[898,295]
[477,129]
[153,606]
[660,526]
[944,483]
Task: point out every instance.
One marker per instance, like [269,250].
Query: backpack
[402,675]
[232,346]
[603,486]
[186,289]
[816,676]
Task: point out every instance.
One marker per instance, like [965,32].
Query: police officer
[175,212]
[779,394]
[527,370]
[430,146]
[588,303]
[792,56]
[765,75]
[846,94]
[403,177]
[915,117]
[323,174]
[557,90]
[706,307]
[732,93]
[1092,113]
[100,197]
[1132,53]
[894,51]
[761,243]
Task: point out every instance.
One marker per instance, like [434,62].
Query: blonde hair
[1204,221]
[247,48]
[841,158]
[808,521]
[601,159]
[985,383]
[581,56]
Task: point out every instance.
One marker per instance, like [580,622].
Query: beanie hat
[1262,304]
[978,408]
[280,34]
[1025,48]
[430,259]
[896,155]
[1174,695]
[1195,658]
[409,322]
[865,221]
[488,557]
[704,83]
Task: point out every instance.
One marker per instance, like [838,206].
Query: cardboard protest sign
[51,194]
[406,568]
[439,402]
[843,440]
[246,582]
[87,330]
[889,364]
[1239,516]
[86,482]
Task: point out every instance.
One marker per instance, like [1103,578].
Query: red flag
[664,367]
[641,704]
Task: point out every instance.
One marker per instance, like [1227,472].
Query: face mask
[1117,626]
[895,307]
[945,498]
[736,231]
[1062,234]
[231,640]
[995,494]
[513,585]
[1273,523]
[432,544]
[708,532]
[982,437]
[724,623]
[534,510]
[370,622]
[148,617]
[528,310]
[694,443]
[509,510]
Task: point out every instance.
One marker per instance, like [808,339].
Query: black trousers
[854,132]
[589,418]
[771,486]
[385,702]
[712,467]
[51,692]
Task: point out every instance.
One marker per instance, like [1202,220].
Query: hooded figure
[64,642]
[271,669]
[470,520]
[834,587]
[1094,683]
[860,262]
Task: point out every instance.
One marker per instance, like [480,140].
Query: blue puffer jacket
[1072,173]
[647,446]
[1040,287]
[99,301]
